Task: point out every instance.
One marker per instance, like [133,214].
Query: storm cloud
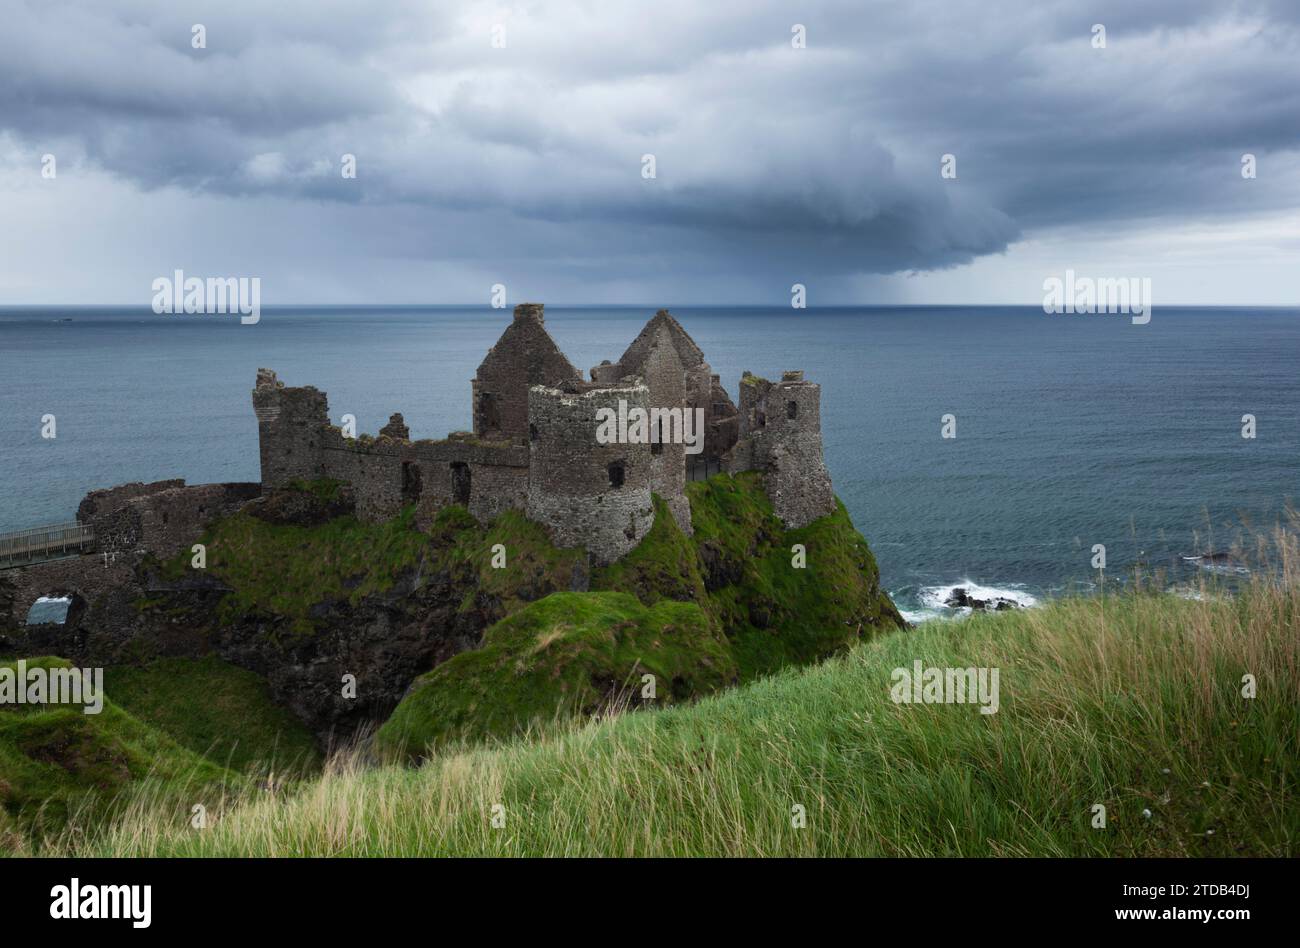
[773,163]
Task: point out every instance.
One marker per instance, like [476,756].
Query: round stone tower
[589,478]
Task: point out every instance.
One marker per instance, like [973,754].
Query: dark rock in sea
[960,598]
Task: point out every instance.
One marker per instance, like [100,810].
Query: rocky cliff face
[298,591]
[342,616]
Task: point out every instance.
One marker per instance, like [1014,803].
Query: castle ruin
[534,448]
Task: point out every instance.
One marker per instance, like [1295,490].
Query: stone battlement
[534,444]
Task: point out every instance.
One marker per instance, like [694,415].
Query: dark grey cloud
[822,162]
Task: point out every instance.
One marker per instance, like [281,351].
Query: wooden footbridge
[25,547]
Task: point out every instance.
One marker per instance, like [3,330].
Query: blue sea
[1070,430]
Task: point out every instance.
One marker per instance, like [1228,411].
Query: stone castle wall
[115,519]
[85,579]
[780,435]
[173,520]
[163,517]
[665,378]
[588,494]
[290,423]
[524,356]
[389,474]
[534,446]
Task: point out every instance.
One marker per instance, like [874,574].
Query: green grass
[284,570]
[60,766]
[216,710]
[322,488]
[570,653]
[733,603]
[775,614]
[533,566]
[739,567]
[1130,702]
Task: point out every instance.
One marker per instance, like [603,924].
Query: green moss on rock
[774,613]
[285,570]
[664,565]
[570,653]
[533,567]
[749,611]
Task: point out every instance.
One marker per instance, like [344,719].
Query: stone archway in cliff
[59,606]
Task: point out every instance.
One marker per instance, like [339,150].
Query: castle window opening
[617,473]
[460,483]
[657,445]
[411,485]
[791,409]
[532,432]
[488,411]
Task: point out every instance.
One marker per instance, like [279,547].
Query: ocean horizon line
[635,305]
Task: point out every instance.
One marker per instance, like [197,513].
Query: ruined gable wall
[638,351]
[524,356]
[702,388]
[665,379]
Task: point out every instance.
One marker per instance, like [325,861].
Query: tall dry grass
[1133,702]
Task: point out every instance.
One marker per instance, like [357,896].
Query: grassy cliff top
[59,764]
[570,653]
[221,712]
[1134,703]
[742,597]
[286,569]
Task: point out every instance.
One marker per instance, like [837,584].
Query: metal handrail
[59,537]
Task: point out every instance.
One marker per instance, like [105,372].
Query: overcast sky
[774,165]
